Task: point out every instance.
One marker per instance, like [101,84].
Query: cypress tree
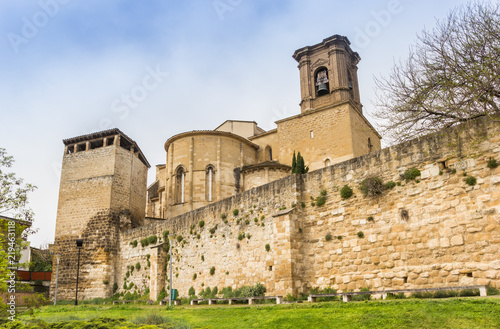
[300,164]
[294,164]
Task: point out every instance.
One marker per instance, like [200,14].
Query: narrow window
[269,153]
[179,185]
[182,187]
[312,134]
[328,163]
[209,183]
[370,145]
[349,81]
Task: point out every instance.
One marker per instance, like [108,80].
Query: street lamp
[79,245]
[171,239]
[58,257]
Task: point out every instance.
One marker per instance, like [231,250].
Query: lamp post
[79,245]
[58,257]
[171,239]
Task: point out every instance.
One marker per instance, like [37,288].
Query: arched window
[209,182]
[269,153]
[328,163]
[321,83]
[180,177]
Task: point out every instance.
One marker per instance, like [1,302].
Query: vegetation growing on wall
[371,186]
[345,192]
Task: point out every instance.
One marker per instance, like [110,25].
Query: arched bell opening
[321,81]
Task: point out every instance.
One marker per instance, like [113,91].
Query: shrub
[212,230]
[227,272]
[115,287]
[247,221]
[490,291]
[179,238]
[162,295]
[195,276]
[198,236]
[389,185]
[320,201]
[248,236]
[34,301]
[133,243]
[191,291]
[149,320]
[152,239]
[236,212]
[250,291]
[268,247]
[471,180]
[345,192]
[202,258]
[106,282]
[138,266]
[303,204]
[339,237]
[212,271]
[262,217]
[165,235]
[360,235]
[370,218]
[328,237]
[223,216]
[241,236]
[323,192]
[255,219]
[201,223]
[411,174]
[371,186]
[362,297]
[492,163]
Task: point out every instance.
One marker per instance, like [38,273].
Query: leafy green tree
[450,77]
[13,204]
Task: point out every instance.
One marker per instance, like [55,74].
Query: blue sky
[67,67]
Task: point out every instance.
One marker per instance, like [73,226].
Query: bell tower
[328,74]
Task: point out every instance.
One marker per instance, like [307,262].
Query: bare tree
[452,76]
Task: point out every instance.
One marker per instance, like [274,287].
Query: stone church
[227,193]
[206,166]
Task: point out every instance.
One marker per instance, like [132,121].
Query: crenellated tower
[102,190]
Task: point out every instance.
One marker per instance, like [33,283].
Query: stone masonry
[449,236]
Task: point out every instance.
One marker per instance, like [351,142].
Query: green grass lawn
[410,313]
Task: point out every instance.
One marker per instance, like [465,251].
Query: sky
[155,68]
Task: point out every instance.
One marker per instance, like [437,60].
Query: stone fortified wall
[434,231]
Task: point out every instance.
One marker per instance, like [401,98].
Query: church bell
[322,89]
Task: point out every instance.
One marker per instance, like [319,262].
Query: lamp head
[79,243]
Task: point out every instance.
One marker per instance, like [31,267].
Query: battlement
[102,139]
